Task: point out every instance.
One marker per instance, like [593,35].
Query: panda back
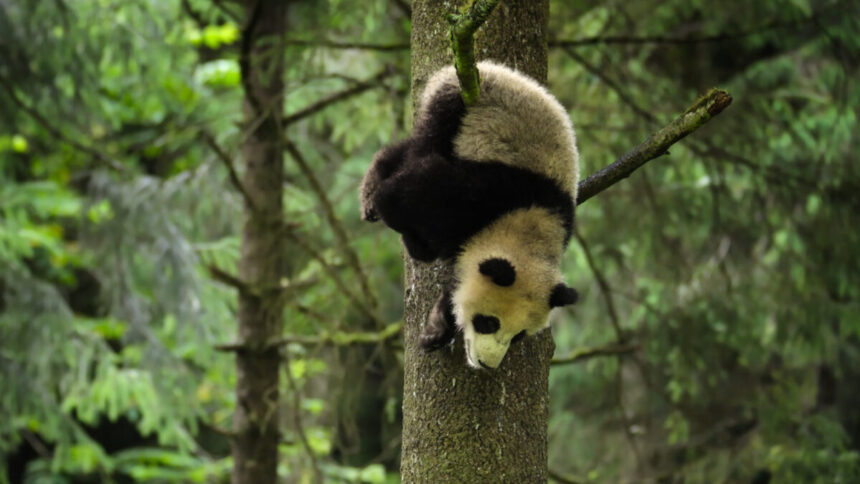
[515,122]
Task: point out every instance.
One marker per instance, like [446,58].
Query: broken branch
[702,111]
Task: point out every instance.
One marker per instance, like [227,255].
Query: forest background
[717,335]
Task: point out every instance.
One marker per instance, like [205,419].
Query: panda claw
[431,343]
[369,215]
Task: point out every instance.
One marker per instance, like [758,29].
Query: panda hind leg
[441,326]
[385,163]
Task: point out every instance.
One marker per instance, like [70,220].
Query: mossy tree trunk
[459,424]
[260,312]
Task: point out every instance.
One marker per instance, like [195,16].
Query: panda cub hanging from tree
[492,186]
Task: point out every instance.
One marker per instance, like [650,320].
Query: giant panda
[493,188]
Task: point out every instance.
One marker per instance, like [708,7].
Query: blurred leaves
[732,261]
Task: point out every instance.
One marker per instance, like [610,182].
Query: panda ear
[562,295]
[499,270]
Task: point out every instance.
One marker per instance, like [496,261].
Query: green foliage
[732,262]
[728,260]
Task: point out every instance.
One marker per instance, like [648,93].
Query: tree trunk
[460,424]
[260,313]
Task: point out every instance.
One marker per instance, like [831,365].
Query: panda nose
[485,324]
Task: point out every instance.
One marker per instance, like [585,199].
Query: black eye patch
[518,336]
[499,270]
[485,324]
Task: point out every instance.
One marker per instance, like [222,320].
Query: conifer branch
[296,393]
[335,223]
[228,279]
[356,45]
[56,133]
[231,170]
[359,88]
[327,338]
[563,479]
[328,269]
[582,354]
[463,28]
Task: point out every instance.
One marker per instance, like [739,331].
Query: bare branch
[328,269]
[333,44]
[702,111]
[220,4]
[666,40]
[614,86]
[404,6]
[582,354]
[55,132]
[339,96]
[562,479]
[245,55]
[231,170]
[344,338]
[232,281]
[297,419]
[602,284]
[463,28]
[335,224]
[336,338]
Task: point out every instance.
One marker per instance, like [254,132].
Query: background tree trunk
[255,422]
[458,423]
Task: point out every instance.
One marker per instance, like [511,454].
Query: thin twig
[328,269]
[463,28]
[335,338]
[664,40]
[297,419]
[344,338]
[602,284]
[404,7]
[625,420]
[558,477]
[582,354]
[232,281]
[245,48]
[335,223]
[56,133]
[614,86]
[231,170]
[226,11]
[339,96]
[333,44]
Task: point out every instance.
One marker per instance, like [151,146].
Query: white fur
[531,240]
[516,122]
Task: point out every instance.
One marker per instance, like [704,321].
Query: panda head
[498,301]
[506,282]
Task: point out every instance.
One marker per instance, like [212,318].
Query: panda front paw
[433,337]
[440,328]
[368,214]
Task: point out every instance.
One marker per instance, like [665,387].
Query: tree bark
[260,313]
[460,424]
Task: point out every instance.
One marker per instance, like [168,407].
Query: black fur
[499,270]
[518,336]
[437,201]
[485,324]
[441,326]
[562,296]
